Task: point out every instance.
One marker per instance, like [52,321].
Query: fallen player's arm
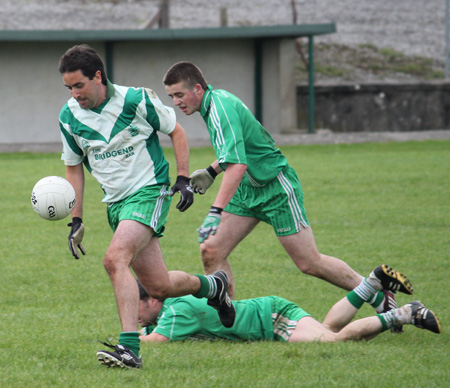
[153,337]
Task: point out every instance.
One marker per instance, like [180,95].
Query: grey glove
[76,236]
[202,179]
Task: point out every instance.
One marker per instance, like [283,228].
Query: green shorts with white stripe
[279,203]
[149,206]
[285,315]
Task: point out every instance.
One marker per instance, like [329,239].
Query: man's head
[185,84]
[84,75]
[149,307]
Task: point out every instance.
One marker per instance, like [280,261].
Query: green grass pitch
[368,204]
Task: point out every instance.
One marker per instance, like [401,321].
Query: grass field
[367,203]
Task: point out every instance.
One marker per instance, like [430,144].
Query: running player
[258,185]
[113,130]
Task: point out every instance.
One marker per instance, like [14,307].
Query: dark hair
[143,294]
[185,72]
[84,58]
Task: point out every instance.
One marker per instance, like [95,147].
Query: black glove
[76,236]
[187,195]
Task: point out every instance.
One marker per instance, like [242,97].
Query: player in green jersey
[113,131]
[273,318]
[258,184]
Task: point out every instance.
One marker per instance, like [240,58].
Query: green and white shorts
[285,315]
[279,203]
[149,206]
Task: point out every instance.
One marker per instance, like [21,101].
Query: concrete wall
[373,108]
[32,91]
[145,63]
[279,115]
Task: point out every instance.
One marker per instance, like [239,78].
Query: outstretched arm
[181,150]
[230,182]
[75,175]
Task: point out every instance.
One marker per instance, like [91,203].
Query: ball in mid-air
[53,198]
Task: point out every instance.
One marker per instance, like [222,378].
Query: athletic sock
[131,340]
[208,286]
[362,293]
[384,323]
[395,317]
[377,302]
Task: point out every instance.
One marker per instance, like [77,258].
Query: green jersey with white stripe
[117,141]
[237,137]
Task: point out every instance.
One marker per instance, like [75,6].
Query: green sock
[207,286]
[131,340]
[376,301]
[355,299]
[384,323]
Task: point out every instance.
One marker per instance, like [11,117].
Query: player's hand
[202,179]
[187,195]
[210,225]
[76,236]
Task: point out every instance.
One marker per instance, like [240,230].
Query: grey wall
[378,107]
[32,91]
[277,92]
[145,63]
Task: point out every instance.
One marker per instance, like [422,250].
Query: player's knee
[213,255]
[307,267]
[110,265]
[209,252]
[113,266]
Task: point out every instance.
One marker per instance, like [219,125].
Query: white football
[53,198]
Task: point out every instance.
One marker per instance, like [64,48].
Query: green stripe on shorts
[149,206]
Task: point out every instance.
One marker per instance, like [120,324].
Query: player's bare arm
[75,175]
[216,167]
[230,182]
[181,150]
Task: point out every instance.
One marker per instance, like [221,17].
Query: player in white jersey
[112,130]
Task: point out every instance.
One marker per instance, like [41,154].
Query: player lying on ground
[275,318]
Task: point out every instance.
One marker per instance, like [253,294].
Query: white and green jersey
[237,137]
[118,141]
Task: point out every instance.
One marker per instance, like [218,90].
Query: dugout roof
[249,32]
